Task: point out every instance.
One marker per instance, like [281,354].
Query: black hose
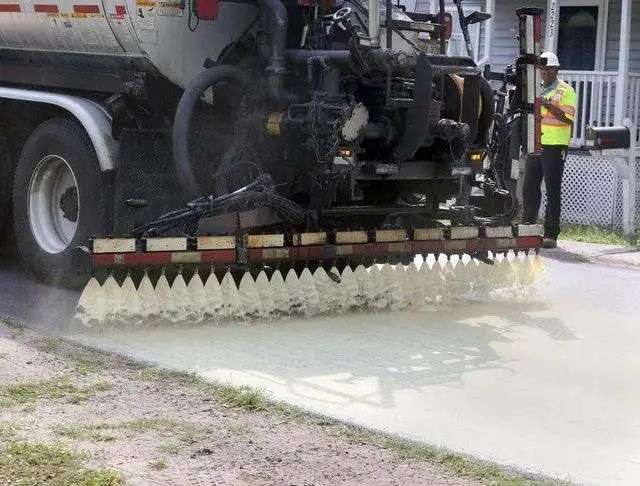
[184,114]
[260,193]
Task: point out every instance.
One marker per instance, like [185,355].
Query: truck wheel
[58,203]
[6,166]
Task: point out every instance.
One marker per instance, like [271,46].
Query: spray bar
[358,244]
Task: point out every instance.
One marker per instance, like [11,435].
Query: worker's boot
[549,243]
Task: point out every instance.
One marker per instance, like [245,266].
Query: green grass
[171,446]
[28,392]
[35,464]
[16,328]
[47,344]
[236,397]
[482,471]
[184,432]
[85,366]
[239,429]
[7,431]
[158,464]
[592,234]
[241,397]
[82,361]
[83,432]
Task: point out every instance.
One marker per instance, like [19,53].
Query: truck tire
[58,201]
[6,185]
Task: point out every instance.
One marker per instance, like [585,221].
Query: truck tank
[110,36]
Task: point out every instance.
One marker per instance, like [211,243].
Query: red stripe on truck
[218,256]
[121,10]
[44,8]
[9,7]
[163,258]
[529,241]
[86,9]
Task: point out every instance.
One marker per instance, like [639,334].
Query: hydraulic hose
[184,115]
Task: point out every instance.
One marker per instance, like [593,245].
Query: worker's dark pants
[550,166]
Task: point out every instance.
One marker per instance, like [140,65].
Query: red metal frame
[317,252]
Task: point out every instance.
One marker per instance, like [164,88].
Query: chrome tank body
[136,35]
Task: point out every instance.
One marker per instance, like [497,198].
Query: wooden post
[620,107]
[629,192]
[551,17]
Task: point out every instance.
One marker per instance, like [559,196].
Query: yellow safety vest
[554,131]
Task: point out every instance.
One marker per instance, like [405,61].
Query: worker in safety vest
[558,113]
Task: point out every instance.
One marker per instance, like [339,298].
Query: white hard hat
[552,59]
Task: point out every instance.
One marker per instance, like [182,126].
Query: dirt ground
[152,427]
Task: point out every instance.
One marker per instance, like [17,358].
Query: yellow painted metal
[344,250]
[275,253]
[263,241]
[498,232]
[463,232]
[273,123]
[186,257]
[166,244]
[530,230]
[422,234]
[306,239]
[216,242]
[384,236]
[351,237]
[114,245]
[506,243]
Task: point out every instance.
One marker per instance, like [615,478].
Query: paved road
[549,386]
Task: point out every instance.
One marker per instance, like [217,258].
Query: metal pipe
[303,55]
[465,28]
[443,42]
[278,23]
[374,22]
[388,24]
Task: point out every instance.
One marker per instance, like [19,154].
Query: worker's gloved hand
[556,111]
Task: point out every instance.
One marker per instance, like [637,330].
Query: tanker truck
[137,127]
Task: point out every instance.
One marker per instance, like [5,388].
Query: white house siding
[477,31]
[504,47]
[504,44]
[613,36]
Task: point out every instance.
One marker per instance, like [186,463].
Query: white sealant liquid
[380,287]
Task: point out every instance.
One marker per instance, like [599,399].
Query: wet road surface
[549,385]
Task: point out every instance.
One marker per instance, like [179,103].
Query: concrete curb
[577,252]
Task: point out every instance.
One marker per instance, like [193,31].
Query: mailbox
[604,138]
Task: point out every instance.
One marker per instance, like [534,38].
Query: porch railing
[595,92]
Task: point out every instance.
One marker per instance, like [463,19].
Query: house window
[577,37]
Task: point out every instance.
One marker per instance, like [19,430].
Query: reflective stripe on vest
[554,131]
